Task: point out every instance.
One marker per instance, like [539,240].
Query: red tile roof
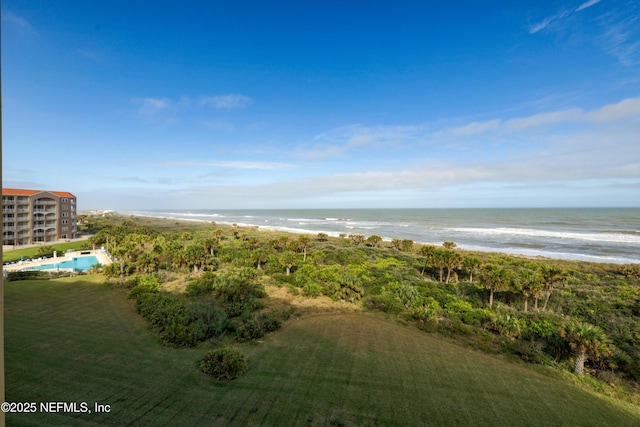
[20,192]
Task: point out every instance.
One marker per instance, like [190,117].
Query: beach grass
[77,340]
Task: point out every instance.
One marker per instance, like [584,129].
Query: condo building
[35,216]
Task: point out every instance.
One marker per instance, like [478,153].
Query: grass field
[75,340]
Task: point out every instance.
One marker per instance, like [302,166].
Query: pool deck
[102,256]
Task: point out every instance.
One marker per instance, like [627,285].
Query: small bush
[27,275]
[145,284]
[531,351]
[258,326]
[311,290]
[224,364]
[202,286]
[179,335]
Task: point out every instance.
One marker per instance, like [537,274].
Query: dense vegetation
[573,315]
[576,316]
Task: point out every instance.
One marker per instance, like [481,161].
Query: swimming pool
[77,263]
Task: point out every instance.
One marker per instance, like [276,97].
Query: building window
[65,228]
[64,236]
[65,213]
[65,221]
[65,207]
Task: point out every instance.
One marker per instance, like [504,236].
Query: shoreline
[530,254]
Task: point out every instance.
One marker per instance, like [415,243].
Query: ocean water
[588,234]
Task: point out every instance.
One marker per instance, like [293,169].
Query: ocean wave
[594,237]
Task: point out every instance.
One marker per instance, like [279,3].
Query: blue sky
[155,105]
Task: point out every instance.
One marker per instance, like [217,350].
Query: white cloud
[548,21]
[623,110]
[344,139]
[587,4]
[226,102]
[150,106]
[474,128]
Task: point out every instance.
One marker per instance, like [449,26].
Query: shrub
[224,364]
[145,284]
[258,326]
[161,309]
[208,319]
[531,351]
[178,335]
[311,290]
[204,285]
[507,325]
[27,275]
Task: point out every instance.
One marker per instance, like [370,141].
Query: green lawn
[16,254]
[74,340]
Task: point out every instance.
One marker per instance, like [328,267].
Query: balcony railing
[9,210]
[45,202]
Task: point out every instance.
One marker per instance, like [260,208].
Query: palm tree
[260,256]
[472,265]
[356,238]
[210,244]
[396,244]
[529,282]
[148,262]
[287,259]
[303,243]
[440,262]
[451,260]
[495,279]
[428,252]
[195,256]
[552,276]
[449,245]
[373,240]
[585,340]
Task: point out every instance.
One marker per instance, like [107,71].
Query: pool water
[78,263]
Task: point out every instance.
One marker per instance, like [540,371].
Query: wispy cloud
[587,4]
[226,102]
[220,125]
[17,23]
[229,164]
[621,37]
[620,111]
[548,21]
[344,139]
[615,30]
[149,107]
